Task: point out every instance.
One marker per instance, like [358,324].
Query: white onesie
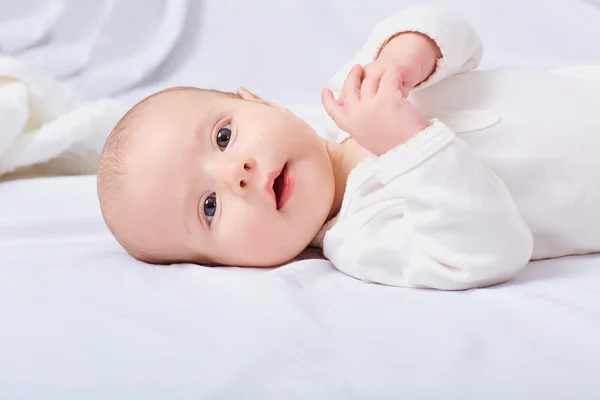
[509,171]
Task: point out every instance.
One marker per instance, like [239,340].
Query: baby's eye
[223,137]
[210,207]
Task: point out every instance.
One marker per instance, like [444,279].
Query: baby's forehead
[171,118]
[176,95]
[177,114]
[179,103]
[207,95]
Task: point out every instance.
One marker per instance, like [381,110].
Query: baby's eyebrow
[206,125]
[202,133]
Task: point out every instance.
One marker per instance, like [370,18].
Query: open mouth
[279,186]
[283,186]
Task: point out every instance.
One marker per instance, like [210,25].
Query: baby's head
[206,177]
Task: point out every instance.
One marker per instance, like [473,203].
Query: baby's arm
[460,47]
[439,218]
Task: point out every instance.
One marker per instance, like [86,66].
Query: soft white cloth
[52,49]
[93,45]
[42,120]
[456,212]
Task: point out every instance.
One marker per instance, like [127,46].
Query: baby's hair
[111,166]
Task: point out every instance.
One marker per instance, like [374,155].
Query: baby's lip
[271,182]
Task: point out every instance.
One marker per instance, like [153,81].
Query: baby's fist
[373,109]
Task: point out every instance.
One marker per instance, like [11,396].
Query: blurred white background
[284,50]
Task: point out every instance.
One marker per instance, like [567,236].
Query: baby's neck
[344,157]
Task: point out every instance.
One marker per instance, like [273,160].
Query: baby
[457,185]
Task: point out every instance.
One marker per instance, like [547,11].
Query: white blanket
[51,53]
[41,119]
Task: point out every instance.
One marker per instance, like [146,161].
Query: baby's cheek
[254,229]
[259,236]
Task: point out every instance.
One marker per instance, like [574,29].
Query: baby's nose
[239,174]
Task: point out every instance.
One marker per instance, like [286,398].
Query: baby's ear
[248,95]
[245,94]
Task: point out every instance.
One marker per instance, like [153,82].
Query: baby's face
[238,182]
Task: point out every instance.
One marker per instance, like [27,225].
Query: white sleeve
[460,46]
[446,220]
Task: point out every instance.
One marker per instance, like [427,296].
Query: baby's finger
[370,84]
[392,79]
[341,97]
[333,108]
[351,87]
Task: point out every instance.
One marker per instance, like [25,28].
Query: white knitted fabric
[58,72]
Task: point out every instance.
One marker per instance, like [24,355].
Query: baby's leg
[591,72]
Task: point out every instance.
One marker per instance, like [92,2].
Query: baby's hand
[415,52]
[374,110]
[410,71]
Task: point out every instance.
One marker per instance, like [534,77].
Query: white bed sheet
[79,318]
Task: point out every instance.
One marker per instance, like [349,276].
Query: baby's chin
[272,256]
[266,261]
